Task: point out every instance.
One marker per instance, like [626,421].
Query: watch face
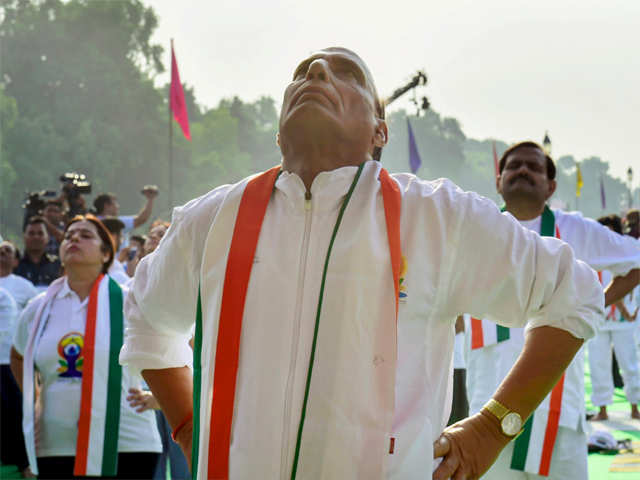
[511,424]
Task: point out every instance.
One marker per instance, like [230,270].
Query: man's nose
[318,70]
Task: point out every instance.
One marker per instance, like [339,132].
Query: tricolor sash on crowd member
[484,332]
[225,356]
[533,449]
[99,419]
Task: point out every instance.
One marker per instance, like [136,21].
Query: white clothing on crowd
[8,317]
[59,348]
[118,273]
[367,387]
[487,367]
[20,288]
[617,332]
[569,461]
[458,352]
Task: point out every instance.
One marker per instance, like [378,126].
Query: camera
[75,184]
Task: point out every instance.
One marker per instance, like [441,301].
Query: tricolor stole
[533,449]
[485,333]
[251,212]
[99,421]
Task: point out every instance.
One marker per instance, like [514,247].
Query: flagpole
[170,146]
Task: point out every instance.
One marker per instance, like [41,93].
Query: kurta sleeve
[601,248]
[503,272]
[160,308]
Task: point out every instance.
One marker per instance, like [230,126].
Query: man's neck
[307,166]
[81,279]
[524,210]
[35,255]
[5,271]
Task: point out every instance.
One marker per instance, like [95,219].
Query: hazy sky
[506,69]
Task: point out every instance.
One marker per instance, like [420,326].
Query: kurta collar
[328,188]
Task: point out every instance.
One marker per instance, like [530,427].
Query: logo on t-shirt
[403,272]
[70,350]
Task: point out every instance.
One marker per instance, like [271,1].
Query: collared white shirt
[59,361]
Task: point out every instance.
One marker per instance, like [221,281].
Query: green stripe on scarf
[502,333]
[521,446]
[114,389]
[197,375]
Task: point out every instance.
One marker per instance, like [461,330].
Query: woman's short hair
[103,233]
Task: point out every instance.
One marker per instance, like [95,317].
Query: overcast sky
[506,69]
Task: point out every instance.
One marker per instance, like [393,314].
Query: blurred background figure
[615,331]
[106,205]
[12,450]
[117,271]
[36,265]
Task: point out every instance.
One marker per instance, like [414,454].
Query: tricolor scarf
[99,422]
[485,333]
[533,449]
[248,223]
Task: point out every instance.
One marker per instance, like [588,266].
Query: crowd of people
[66,268]
[300,323]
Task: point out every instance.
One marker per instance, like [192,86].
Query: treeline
[77,93]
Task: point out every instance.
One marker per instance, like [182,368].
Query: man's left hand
[468,448]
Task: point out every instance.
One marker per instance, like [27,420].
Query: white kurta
[462,255]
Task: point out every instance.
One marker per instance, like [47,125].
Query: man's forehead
[526,152]
[343,53]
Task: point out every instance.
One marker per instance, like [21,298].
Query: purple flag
[603,197]
[414,156]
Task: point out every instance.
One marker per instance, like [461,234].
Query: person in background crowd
[53,216]
[156,232]
[129,255]
[460,403]
[117,270]
[12,450]
[83,429]
[21,289]
[616,330]
[36,265]
[632,223]
[526,181]
[106,205]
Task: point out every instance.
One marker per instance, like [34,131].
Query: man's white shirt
[461,253]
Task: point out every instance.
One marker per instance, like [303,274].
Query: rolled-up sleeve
[506,273]
[160,308]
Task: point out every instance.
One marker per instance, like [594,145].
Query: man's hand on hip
[468,448]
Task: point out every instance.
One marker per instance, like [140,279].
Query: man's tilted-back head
[331,111]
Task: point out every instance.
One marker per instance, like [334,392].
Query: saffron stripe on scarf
[114,382]
[197,386]
[477,335]
[88,353]
[555,406]
[253,206]
[392,201]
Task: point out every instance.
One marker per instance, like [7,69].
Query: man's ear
[552,188]
[498,178]
[278,138]
[381,135]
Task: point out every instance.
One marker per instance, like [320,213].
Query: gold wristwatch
[510,422]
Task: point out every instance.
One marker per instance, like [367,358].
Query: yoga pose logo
[70,349]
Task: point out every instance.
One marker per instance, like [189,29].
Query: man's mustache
[523,176]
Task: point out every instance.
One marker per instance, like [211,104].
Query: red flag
[495,160]
[176,97]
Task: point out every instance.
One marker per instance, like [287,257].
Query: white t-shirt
[58,359]
[8,316]
[20,288]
